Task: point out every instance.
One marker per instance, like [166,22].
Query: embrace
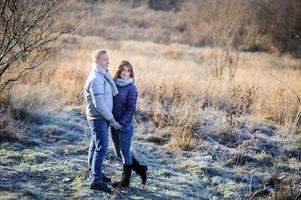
[111,102]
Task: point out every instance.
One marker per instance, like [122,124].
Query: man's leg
[101,149]
[91,153]
[100,136]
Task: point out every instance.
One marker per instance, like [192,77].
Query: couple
[111,102]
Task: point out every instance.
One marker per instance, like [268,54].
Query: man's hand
[116,125]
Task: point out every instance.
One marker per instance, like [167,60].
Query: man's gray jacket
[98,96]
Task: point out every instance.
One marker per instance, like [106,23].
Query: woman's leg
[141,170]
[125,141]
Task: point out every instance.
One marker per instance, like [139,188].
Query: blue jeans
[98,148]
[122,140]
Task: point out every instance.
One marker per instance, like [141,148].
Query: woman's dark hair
[123,64]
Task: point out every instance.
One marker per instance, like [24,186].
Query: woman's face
[125,73]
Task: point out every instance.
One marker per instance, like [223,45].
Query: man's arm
[98,98]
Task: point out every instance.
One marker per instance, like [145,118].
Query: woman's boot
[140,170]
[126,176]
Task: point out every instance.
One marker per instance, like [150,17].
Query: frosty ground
[48,161]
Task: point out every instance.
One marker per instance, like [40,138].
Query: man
[99,90]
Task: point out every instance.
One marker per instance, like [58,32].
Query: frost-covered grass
[55,166]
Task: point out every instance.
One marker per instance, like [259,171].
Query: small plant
[174,109]
[279,185]
[7,132]
[241,101]
[184,126]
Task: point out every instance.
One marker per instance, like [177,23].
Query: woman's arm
[131,106]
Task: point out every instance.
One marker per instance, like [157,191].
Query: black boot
[126,176]
[106,178]
[140,170]
[100,186]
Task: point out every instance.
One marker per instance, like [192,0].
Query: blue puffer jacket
[124,104]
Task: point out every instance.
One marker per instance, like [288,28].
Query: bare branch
[21,73]
[28,30]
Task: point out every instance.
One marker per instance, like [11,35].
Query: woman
[124,107]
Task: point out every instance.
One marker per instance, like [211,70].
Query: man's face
[103,61]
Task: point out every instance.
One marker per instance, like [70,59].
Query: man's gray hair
[97,53]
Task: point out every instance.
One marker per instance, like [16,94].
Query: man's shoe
[126,176]
[100,186]
[105,178]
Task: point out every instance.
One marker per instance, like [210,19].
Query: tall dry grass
[175,83]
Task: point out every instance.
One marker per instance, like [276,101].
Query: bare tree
[28,30]
[225,21]
[221,25]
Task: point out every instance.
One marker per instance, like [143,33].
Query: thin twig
[293,91]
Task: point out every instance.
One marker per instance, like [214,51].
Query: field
[236,136]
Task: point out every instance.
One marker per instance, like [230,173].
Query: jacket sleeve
[97,90]
[131,106]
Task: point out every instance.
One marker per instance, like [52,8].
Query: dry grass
[193,22]
[174,82]
[121,20]
[38,98]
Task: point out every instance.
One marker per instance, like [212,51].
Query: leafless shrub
[177,110]
[184,129]
[241,101]
[28,31]
[165,101]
